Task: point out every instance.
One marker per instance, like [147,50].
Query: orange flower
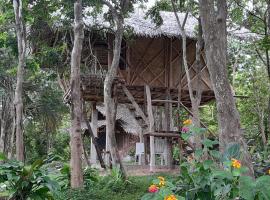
[236,164]
[153,189]
[170,197]
[187,122]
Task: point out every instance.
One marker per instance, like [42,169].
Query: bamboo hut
[150,74]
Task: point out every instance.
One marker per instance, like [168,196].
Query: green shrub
[210,175]
[23,182]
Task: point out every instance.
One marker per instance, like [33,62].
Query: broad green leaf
[216,154]
[2,157]
[209,143]
[263,185]
[236,172]
[231,151]
[246,187]
[185,136]
[207,164]
[222,174]
[198,153]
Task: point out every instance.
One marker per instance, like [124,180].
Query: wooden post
[141,141]
[94,121]
[168,117]
[164,127]
[110,59]
[151,127]
[102,164]
[145,150]
[168,105]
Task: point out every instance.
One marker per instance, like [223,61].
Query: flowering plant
[161,189]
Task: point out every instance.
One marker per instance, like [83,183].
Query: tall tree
[18,101]
[109,101]
[215,37]
[76,105]
[194,98]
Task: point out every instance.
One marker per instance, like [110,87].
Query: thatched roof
[144,26]
[123,116]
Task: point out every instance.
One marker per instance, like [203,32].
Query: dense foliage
[210,175]
[207,174]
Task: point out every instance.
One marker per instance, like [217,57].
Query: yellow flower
[161,181]
[268,171]
[170,197]
[187,122]
[161,178]
[236,164]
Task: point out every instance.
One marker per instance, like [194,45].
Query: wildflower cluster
[187,122]
[236,164]
[159,186]
[170,197]
[161,181]
[153,189]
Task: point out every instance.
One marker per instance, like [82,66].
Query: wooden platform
[92,90]
[168,134]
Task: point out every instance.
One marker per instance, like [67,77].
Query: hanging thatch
[124,117]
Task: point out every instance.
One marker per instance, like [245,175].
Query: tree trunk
[18,102]
[2,128]
[215,37]
[262,128]
[12,137]
[76,106]
[110,101]
[195,100]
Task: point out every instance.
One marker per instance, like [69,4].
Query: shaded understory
[133,189]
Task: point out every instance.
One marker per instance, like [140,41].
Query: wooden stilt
[164,127]
[168,117]
[145,149]
[94,121]
[151,127]
[102,164]
[141,141]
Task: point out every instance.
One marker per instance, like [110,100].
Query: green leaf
[148,196]
[263,185]
[2,157]
[236,172]
[231,151]
[209,143]
[246,187]
[207,164]
[216,154]
[198,153]
[185,136]
[222,174]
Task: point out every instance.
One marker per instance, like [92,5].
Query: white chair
[139,152]
[161,149]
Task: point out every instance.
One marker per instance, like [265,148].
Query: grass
[133,189]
